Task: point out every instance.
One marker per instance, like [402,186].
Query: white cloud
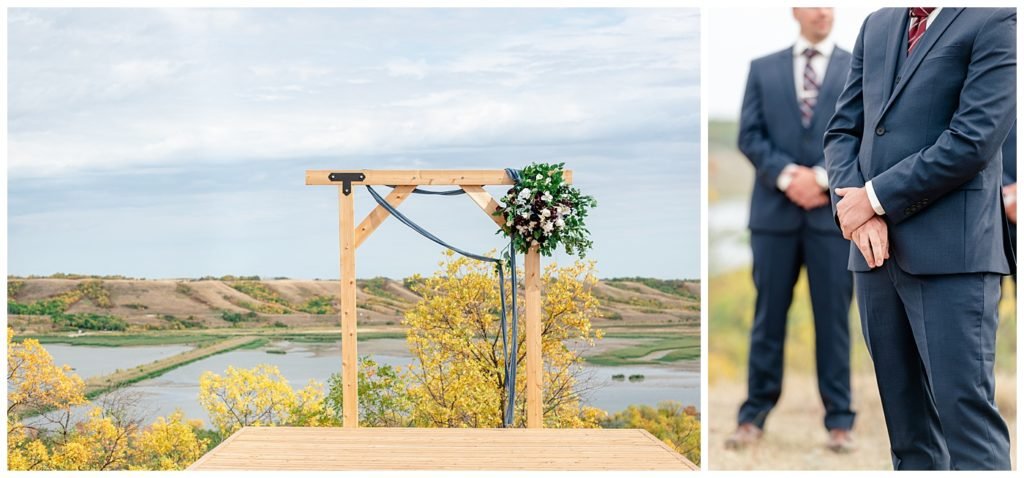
[169,86]
[403,67]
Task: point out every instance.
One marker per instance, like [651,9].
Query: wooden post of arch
[352,236]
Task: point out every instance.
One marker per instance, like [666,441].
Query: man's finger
[883,232]
[841,191]
[865,249]
[877,249]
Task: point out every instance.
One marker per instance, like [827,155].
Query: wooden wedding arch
[352,236]
[353,448]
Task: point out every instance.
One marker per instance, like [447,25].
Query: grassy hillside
[39,305]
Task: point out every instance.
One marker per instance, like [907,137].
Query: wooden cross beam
[352,236]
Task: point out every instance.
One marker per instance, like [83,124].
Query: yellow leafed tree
[672,423]
[34,383]
[454,336]
[259,396]
[108,438]
[169,444]
[99,443]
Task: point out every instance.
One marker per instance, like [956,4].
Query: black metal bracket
[346,180]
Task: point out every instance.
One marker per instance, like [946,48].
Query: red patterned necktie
[810,97]
[918,24]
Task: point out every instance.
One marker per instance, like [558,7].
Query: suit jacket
[1010,157]
[1010,177]
[772,136]
[929,135]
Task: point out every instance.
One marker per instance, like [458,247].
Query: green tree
[384,399]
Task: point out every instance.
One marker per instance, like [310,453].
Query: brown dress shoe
[745,434]
[840,441]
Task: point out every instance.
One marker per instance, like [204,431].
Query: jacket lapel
[931,36]
[784,69]
[892,46]
[833,79]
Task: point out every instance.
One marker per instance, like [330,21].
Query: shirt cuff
[877,206]
[785,177]
[822,176]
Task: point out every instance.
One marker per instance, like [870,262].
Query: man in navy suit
[790,96]
[914,161]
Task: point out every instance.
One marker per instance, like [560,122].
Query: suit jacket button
[880,130]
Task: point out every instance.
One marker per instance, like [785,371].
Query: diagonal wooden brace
[379,214]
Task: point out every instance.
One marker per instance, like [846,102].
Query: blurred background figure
[794,433]
[790,97]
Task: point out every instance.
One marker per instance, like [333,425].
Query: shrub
[319,305]
[90,321]
[237,317]
[670,422]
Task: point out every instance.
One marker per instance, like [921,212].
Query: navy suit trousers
[778,258]
[932,339]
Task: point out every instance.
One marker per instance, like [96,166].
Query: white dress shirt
[819,64]
[875,203]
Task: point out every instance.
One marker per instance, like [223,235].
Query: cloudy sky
[172,143]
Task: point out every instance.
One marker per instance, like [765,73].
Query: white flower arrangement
[543,211]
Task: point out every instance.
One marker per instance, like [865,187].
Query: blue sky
[172,143]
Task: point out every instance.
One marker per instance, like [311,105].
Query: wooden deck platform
[307,448]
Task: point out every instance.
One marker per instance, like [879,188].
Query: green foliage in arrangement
[543,210]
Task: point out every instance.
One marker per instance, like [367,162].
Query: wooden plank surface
[420,177]
[347,302]
[307,448]
[534,358]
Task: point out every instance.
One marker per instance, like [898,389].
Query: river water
[179,388]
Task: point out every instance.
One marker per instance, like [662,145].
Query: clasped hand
[861,225]
[803,189]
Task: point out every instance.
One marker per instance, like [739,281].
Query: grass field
[657,349]
[795,437]
[203,336]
